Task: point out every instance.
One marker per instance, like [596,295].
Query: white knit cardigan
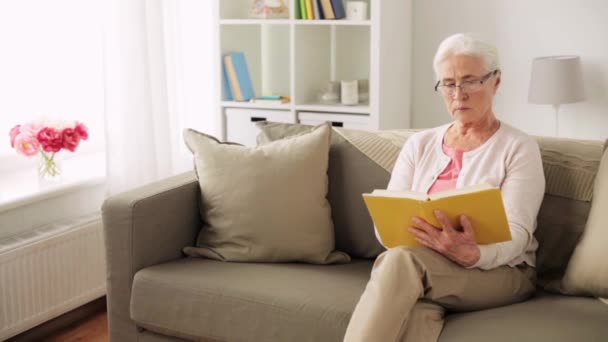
[510,160]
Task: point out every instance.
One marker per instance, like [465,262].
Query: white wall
[522,30]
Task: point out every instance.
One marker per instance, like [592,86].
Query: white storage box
[240,123]
[354,121]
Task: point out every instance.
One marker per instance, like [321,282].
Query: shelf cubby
[266,49]
[329,53]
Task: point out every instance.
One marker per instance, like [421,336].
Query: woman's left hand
[458,246]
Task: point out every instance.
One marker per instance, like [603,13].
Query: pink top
[447,179]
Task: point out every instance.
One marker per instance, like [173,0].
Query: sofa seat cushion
[544,318]
[248,301]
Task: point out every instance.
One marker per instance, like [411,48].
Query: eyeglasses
[467,87]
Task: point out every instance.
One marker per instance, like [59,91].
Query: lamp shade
[556,80]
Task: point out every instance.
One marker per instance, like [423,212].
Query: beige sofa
[155,293]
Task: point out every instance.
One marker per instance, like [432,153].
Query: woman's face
[468,71]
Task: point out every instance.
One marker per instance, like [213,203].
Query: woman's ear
[498,79]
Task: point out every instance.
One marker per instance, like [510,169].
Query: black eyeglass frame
[481,80]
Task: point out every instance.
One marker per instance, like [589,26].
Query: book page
[466,190]
[400,194]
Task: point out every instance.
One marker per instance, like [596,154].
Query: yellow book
[392,213]
[310,10]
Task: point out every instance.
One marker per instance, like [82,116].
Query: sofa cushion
[587,272]
[570,169]
[561,222]
[570,166]
[195,297]
[544,318]
[265,204]
[351,173]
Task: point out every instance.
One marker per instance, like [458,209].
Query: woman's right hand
[458,246]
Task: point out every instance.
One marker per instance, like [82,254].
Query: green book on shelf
[303,9]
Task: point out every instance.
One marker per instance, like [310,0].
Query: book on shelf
[275,99]
[327,9]
[392,213]
[309,10]
[302,7]
[317,9]
[338,7]
[239,79]
[226,85]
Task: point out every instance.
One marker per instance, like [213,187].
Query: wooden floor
[93,329]
[86,323]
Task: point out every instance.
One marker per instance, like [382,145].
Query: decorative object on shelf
[349,92]
[356,10]
[556,80]
[269,9]
[363,91]
[330,93]
[45,140]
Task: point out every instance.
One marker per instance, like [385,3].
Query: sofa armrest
[144,227]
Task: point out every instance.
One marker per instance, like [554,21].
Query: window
[51,66]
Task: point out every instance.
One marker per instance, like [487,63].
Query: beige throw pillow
[265,204]
[587,271]
[351,173]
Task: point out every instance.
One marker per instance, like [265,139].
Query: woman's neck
[468,136]
[488,124]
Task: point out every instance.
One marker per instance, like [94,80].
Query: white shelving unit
[297,57]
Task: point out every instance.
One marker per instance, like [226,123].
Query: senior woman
[411,287]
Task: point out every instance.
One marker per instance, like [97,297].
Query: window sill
[20,187]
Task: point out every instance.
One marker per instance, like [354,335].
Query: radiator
[49,271]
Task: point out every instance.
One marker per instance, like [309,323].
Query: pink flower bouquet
[35,138]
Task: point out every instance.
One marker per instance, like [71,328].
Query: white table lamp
[556,80]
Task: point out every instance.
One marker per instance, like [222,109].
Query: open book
[392,213]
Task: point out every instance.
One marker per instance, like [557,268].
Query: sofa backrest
[570,167]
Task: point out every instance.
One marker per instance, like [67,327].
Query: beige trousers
[411,287]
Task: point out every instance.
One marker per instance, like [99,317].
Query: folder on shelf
[392,213]
[238,76]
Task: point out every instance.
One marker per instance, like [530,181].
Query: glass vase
[49,168]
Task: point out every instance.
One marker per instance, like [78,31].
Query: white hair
[466,44]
